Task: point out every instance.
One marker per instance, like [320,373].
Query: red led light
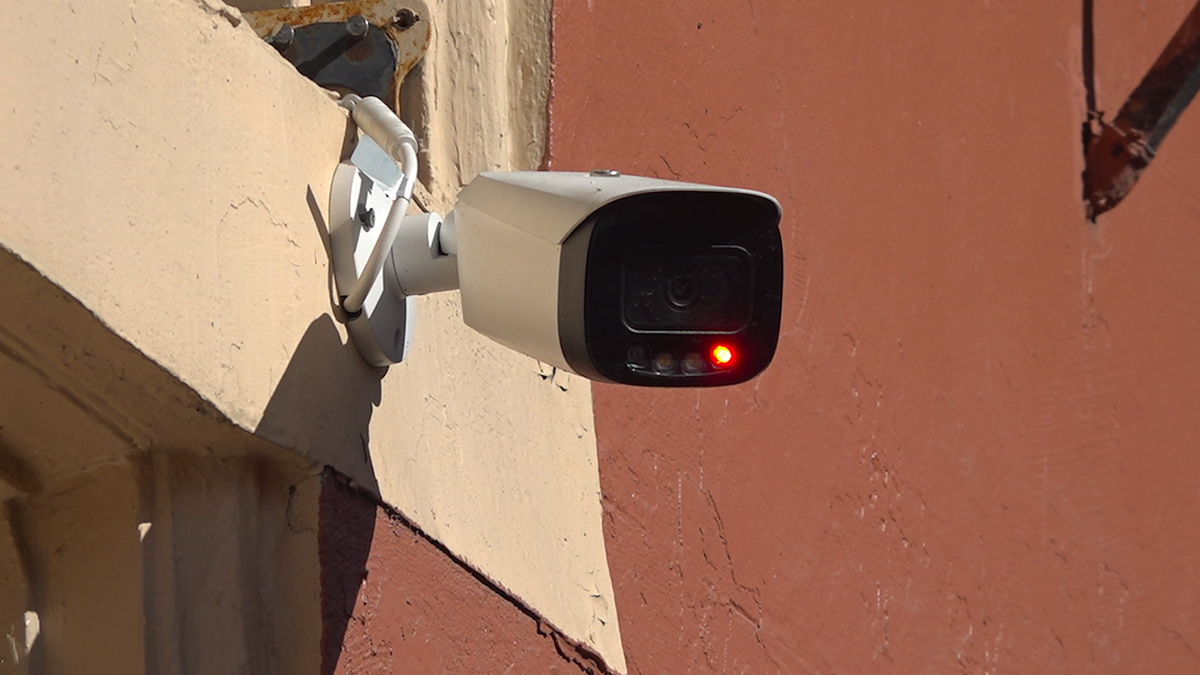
[722,355]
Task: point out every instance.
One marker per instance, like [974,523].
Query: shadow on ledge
[323,404]
[322,409]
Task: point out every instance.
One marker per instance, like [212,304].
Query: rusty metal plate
[363,46]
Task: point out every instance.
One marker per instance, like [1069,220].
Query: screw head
[283,36]
[357,26]
[366,216]
[405,19]
[606,173]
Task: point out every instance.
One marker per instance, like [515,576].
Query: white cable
[397,140]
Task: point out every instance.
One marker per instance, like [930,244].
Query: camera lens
[704,290]
[683,290]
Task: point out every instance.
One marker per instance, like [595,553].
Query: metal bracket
[359,205]
[366,47]
[1117,152]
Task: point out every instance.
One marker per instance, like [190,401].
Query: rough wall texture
[976,450]
[168,172]
[395,602]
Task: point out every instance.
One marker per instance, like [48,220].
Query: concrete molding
[169,173]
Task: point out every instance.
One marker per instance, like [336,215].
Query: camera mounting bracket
[363,194]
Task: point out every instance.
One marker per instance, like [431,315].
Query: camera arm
[397,140]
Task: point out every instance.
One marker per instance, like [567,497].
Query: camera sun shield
[680,288]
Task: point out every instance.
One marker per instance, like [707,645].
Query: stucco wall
[169,171]
[976,450]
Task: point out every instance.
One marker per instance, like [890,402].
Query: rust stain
[405,22]
[1119,151]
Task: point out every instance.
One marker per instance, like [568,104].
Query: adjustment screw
[367,218]
[405,19]
[282,37]
[356,26]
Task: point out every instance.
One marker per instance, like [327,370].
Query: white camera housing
[622,278]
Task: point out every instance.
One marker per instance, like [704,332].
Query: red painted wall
[395,602]
[978,448]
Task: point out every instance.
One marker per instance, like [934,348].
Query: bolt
[367,218]
[282,37]
[357,26]
[405,19]
[606,173]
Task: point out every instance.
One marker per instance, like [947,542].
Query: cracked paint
[974,450]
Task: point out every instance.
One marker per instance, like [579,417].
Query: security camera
[616,278]
[621,278]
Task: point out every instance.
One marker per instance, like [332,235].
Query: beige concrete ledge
[169,173]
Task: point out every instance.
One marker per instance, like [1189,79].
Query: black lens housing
[673,274]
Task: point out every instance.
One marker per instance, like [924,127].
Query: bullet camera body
[621,278]
[616,278]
